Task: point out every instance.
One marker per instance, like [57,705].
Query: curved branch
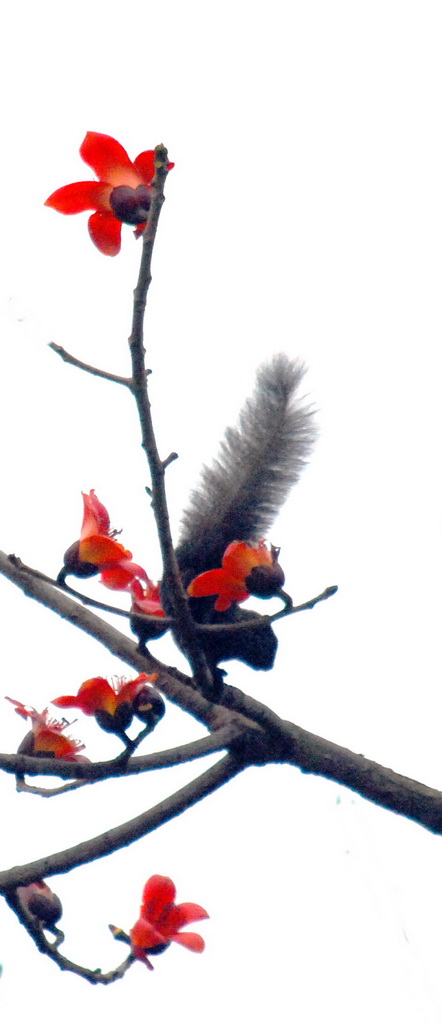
[129,832]
[21,764]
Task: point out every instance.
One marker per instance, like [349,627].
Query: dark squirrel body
[238,498]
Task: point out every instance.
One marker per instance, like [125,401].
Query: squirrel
[238,498]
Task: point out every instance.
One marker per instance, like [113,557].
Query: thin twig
[185,630]
[73,361]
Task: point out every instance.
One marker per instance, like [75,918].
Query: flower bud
[39,900]
[149,706]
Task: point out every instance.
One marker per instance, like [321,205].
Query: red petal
[109,160]
[82,195]
[100,550]
[94,694]
[121,576]
[191,912]
[191,941]
[105,232]
[212,582]
[145,164]
[95,516]
[144,935]
[158,892]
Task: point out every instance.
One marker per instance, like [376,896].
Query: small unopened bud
[149,706]
[39,900]
[131,205]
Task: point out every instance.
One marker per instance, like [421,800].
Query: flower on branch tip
[247,569]
[122,195]
[98,551]
[47,737]
[41,903]
[113,705]
[161,920]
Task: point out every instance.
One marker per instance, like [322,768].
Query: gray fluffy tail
[240,494]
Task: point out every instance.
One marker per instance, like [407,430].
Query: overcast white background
[303,214]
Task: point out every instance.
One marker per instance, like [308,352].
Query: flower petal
[144,935]
[191,941]
[121,576]
[158,893]
[109,160]
[101,550]
[80,196]
[145,165]
[105,232]
[212,582]
[190,912]
[95,517]
[94,694]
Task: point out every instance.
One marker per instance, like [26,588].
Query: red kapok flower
[114,705]
[161,919]
[246,569]
[122,195]
[98,551]
[46,738]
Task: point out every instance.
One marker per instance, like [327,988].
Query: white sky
[304,214]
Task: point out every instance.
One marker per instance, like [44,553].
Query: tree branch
[123,835]
[272,739]
[21,764]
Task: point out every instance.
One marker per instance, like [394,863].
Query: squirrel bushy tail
[238,498]
[240,494]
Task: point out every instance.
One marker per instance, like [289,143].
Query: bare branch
[73,361]
[129,832]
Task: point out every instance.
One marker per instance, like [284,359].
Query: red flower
[46,738]
[246,569]
[98,551]
[114,706]
[122,195]
[161,919]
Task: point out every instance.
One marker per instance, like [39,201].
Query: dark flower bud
[39,900]
[131,205]
[74,564]
[149,706]
[266,580]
